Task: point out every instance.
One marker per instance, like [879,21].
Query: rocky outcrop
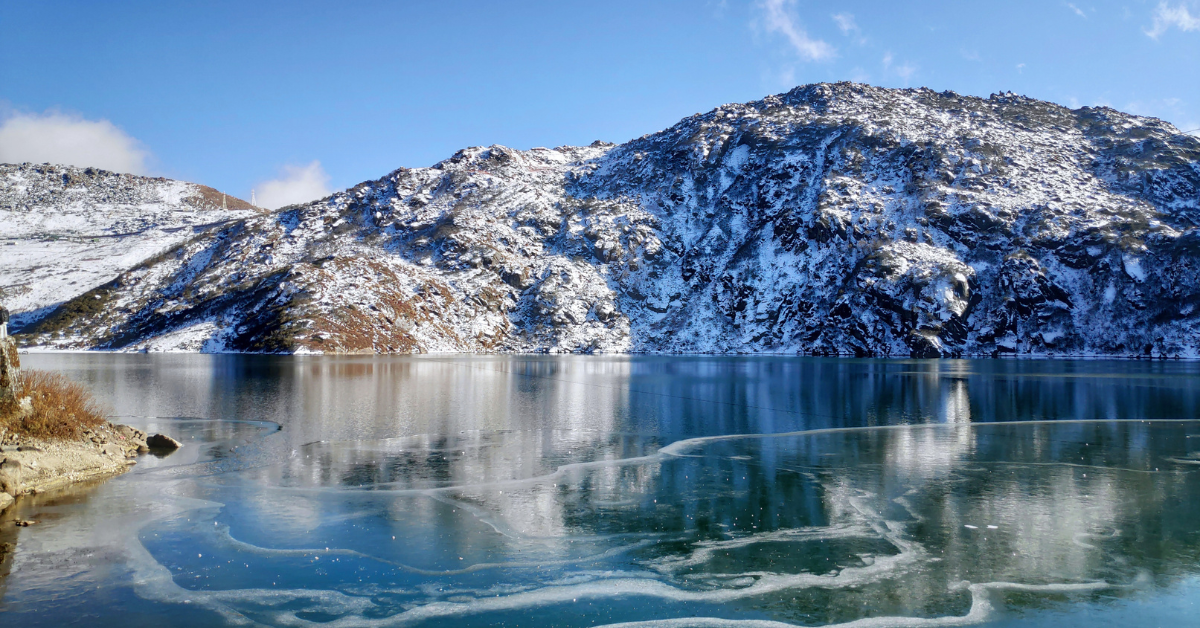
[834,219]
[10,370]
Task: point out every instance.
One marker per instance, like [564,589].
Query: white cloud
[777,19]
[845,21]
[849,27]
[1166,16]
[905,70]
[66,139]
[1078,11]
[1020,68]
[297,184]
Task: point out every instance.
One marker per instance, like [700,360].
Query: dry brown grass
[61,408]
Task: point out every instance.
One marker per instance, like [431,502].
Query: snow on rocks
[833,219]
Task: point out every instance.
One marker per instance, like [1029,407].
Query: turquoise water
[587,491]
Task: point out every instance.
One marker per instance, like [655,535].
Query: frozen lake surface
[647,491]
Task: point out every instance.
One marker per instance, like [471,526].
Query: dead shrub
[61,408]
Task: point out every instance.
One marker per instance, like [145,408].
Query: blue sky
[236,94]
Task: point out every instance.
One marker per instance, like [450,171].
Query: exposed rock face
[833,219]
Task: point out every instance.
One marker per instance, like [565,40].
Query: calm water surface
[586,491]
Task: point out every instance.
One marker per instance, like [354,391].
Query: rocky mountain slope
[833,219]
[65,230]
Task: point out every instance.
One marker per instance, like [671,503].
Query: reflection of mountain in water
[476,491]
[837,522]
[351,398]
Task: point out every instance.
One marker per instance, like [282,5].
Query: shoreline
[1016,357]
[30,466]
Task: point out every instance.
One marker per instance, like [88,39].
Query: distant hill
[66,230]
[833,219]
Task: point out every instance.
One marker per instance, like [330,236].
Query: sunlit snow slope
[833,219]
[64,230]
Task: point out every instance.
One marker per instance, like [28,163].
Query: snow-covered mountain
[833,219]
[65,230]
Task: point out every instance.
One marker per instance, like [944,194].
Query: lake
[644,491]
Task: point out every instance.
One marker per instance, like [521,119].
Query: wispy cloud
[1020,68]
[903,70]
[296,184]
[777,18]
[1078,11]
[849,27]
[845,21]
[68,139]
[1166,16]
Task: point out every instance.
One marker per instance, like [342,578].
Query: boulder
[6,500]
[163,442]
[11,474]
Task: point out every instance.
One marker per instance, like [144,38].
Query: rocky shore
[31,465]
[33,461]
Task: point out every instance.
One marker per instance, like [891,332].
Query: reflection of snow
[919,455]
[956,406]
[385,398]
[552,469]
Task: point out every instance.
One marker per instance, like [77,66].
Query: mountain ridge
[833,219]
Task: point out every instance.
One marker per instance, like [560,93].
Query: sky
[297,99]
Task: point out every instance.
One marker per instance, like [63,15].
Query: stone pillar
[10,365]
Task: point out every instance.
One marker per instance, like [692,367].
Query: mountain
[832,219]
[65,230]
